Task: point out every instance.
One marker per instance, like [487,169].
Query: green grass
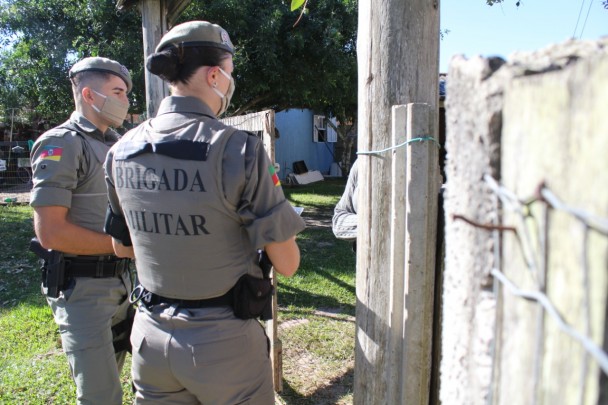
[317,307]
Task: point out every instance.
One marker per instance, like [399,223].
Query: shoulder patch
[273,175]
[50,152]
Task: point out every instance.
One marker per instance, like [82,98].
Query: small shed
[304,136]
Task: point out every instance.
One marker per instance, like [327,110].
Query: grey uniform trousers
[199,356]
[85,313]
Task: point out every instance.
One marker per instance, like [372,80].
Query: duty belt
[149,299]
[95,266]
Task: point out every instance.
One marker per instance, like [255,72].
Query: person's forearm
[55,232]
[123,251]
[78,241]
[285,256]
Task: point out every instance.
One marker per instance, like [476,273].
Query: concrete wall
[537,119]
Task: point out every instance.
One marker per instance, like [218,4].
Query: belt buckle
[139,293]
[99,269]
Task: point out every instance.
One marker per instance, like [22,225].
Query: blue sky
[478,29]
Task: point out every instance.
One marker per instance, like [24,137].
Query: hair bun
[164,64]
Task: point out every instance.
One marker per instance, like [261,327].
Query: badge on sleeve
[275,177]
[50,152]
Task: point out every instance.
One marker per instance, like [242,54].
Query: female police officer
[199,199]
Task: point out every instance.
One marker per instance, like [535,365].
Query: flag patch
[275,177]
[50,152]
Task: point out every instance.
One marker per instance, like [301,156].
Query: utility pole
[398,64]
[157,17]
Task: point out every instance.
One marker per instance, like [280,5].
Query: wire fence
[15,172]
[534,249]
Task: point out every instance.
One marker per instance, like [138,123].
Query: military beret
[197,33]
[105,65]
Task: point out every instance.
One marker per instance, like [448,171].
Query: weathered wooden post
[415,187]
[154,24]
[157,16]
[276,346]
[263,123]
[398,54]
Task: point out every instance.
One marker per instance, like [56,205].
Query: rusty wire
[589,221]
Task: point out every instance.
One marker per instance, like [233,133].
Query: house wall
[295,143]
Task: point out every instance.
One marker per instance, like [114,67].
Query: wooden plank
[174,9]
[415,186]
[263,121]
[154,26]
[276,346]
[388,75]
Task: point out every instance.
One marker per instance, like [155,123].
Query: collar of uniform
[87,126]
[184,105]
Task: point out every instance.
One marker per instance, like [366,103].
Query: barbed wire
[596,223]
[521,207]
[542,299]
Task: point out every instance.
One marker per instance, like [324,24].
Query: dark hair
[175,64]
[86,78]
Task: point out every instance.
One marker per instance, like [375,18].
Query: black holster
[252,298]
[121,332]
[52,268]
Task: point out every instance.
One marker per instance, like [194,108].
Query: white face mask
[113,109]
[225,97]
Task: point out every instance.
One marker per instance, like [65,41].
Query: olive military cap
[105,65]
[197,33]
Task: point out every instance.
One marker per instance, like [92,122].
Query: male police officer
[87,287]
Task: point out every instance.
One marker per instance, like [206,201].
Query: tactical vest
[90,196]
[189,241]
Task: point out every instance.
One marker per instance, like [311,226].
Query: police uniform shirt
[344,220]
[196,223]
[68,171]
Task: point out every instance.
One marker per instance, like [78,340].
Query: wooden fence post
[397,56]
[154,25]
[406,339]
[263,122]
[415,189]
[276,346]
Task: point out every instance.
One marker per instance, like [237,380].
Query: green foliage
[312,65]
[33,368]
[296,4]
[279,66]
[43,38]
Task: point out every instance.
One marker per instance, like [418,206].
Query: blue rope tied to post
[420,139]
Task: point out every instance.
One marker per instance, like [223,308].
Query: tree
[279,66]
[43,38]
